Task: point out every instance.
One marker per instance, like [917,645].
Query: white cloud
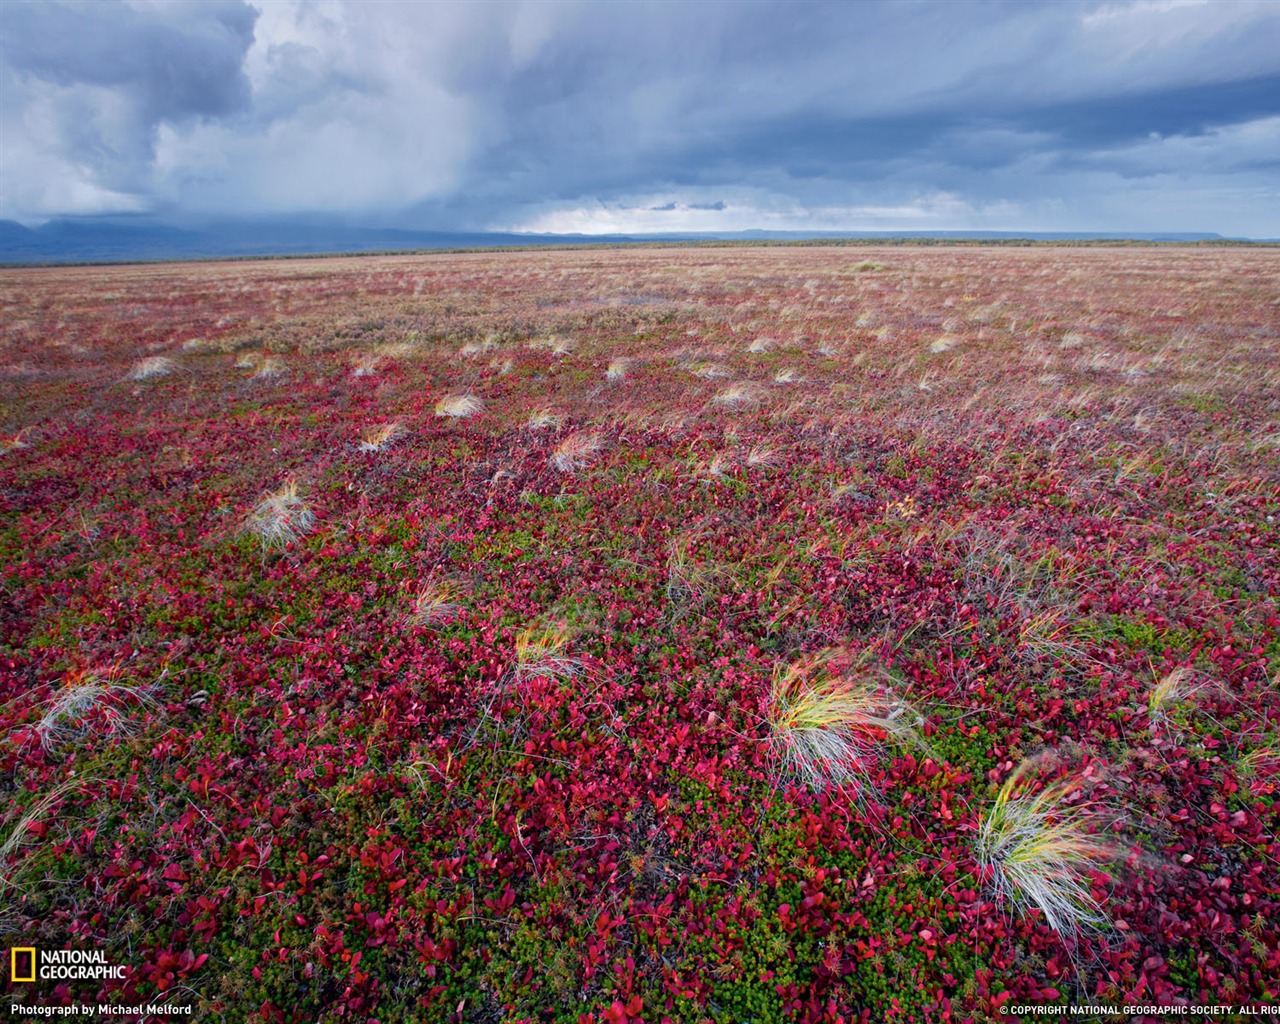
[1219,151]
[664,213]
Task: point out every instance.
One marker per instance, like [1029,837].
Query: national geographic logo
[27,964]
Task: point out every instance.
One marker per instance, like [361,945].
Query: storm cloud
[591,116]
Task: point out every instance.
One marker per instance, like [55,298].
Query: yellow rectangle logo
[30,973]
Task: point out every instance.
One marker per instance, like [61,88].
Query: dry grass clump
[246,360]
[1176,688]
[760,345]
[152,367]
[787,375]
[944,344]
[763,455]
[11,444]
[366,365]
[270,366]
[435,602]
[540,651]
[710,371]
[543,419]
[459,406]
[717,470]
[737,396]
[280,518]
[381,438]
[395,349]
[22,834]
[1263,758]
[617,368]
[1038,847]
[87,703]
[553,343]
[575,452]
[825,723]
[478,348]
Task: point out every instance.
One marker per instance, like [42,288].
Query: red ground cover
[396,638]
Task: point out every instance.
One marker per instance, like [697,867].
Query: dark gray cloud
[173,61]
[87,86]
[602,116]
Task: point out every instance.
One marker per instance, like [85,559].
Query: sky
[607,117]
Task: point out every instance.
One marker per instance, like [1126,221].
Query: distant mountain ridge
[97,240]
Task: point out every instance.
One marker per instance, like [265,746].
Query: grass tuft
[1175,688]
[826,723]
[13,444]
[152,367]
[280,518]
[763,455]
[459,406]
[575,451]
[1039,846]
[540,651]
[381,438]
[543,419]
[435,602]
[737,396]
[87,703]
[23,834]
[269,366]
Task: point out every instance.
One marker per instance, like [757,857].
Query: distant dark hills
[126,239]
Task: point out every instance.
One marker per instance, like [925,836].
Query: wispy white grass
[435,602]
[15,443]
[280,518]
[87,703]
[1176,688]
[1039,843]
[268,367]
[689,581]
[541,651]
[379,439]
[152,367]
[459,406]
[477,348]
[543,419]
[22,834]
[737,396]
[763,455]
[575,452]
[825,723]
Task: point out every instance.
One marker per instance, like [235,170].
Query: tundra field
[703,634]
